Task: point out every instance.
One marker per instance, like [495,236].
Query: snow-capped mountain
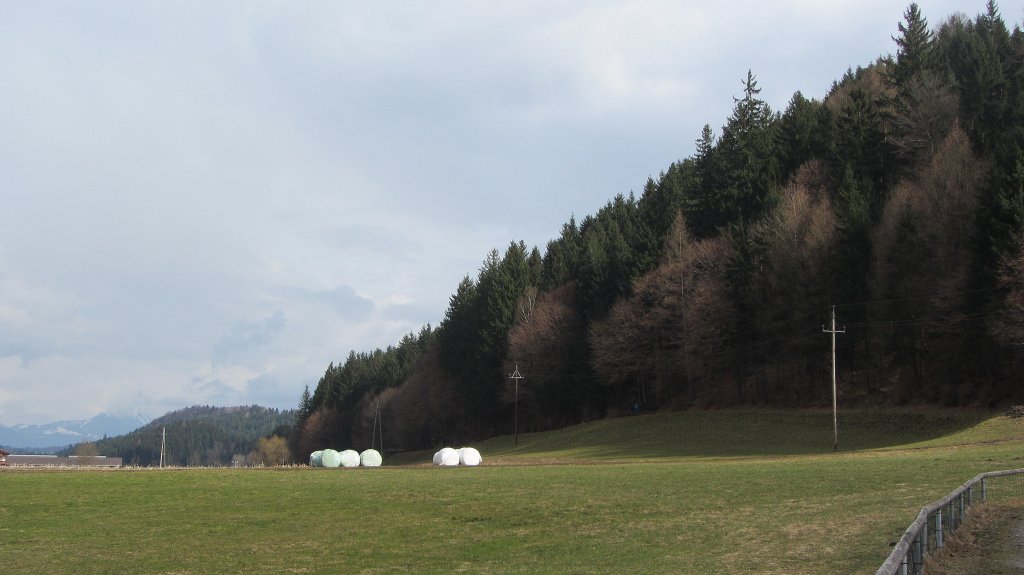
[60,434]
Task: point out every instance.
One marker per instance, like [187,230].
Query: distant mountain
[50,437]
[199,435]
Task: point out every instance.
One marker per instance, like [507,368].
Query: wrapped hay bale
[470,456]
[447,457]
[316,459]
[349,458]
[370,458]
[331,458]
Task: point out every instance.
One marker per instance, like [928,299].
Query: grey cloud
[213,391]
[341,300]
[265,187]
[274,390]
[245,337]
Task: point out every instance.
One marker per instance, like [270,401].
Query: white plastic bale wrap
[316,459]
[470,456]
[447,457]
[331,458]
[370,458]
[349,458]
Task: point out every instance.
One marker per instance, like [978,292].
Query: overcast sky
[207,202]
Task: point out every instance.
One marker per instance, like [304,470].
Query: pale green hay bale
[349,458]
[331,458]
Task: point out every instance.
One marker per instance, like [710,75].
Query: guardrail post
[984,491]
[927,535]
[918,551]
[938,528]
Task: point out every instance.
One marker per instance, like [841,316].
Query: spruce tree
[749,185]
[914,48]
[705,217]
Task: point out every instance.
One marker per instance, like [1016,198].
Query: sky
[207,202]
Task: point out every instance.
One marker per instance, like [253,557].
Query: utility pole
[835,416]
[163,445]
[377,424]
[516,377]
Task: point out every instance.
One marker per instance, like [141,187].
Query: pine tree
[705,217]
[561,258]
[982,65]
[914,48]
[749,184]
[1001,216]
[305,405]
[860,144]
[799,137]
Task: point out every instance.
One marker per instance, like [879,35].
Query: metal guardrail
[934,523]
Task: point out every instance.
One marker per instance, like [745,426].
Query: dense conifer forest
[199,436]
[898,199]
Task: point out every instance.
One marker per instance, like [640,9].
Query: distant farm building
[60,461]
[3,457]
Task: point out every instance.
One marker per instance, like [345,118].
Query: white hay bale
[370,458]
[316,459]
[469,456]
[447,457]
[331,458]
[349,458]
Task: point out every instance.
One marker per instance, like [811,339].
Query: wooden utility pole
[516,377]
[835,413]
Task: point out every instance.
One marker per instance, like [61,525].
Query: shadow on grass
[739,433]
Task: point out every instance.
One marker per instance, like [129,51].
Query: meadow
[693,492]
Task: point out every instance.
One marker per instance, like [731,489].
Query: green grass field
[695,492]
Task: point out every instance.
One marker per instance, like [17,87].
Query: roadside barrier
[937,521]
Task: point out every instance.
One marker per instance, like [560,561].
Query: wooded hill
[199,435]
[898,199]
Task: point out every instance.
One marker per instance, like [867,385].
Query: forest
[199,436]
[897,200]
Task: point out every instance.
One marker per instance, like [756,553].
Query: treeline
[898,199]
[200,436]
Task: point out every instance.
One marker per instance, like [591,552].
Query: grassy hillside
[717,492]
[198,435]
[751,433]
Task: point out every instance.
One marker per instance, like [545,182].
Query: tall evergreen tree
[860,144]
[914,48]
[705,216]
[305,404]
[800,136]
[749,179]
[980,61]
[562,257]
